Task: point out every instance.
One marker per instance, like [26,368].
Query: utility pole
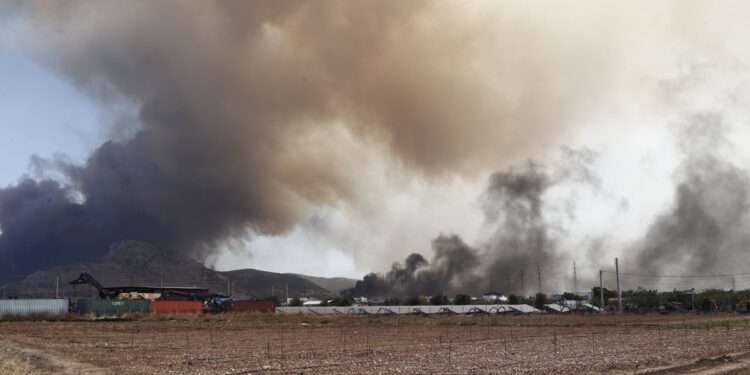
[228,291]
[619,292]
[601,290]
[575,279]
[692,299]
[161,271]
[507,284]
[286,285]
[523,285]
[733,284]
[539,276]
[57,286]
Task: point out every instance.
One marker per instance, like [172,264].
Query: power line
[539,275]
[679,276]
[575,278]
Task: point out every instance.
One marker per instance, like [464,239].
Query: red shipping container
[175,307]
[175,297]
[251,306]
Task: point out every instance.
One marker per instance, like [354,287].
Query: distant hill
[334,284]
[257,282]
[138,263]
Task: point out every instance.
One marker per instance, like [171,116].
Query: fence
[251,306]
[531,344]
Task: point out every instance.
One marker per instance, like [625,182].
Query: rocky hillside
[138,263]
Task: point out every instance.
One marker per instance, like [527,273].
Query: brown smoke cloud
[233,97]
[241,107]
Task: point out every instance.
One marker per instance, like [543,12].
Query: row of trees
[640,299]
[651,300]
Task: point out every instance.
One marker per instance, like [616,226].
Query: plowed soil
[274,344]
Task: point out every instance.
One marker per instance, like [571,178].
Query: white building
[494,297]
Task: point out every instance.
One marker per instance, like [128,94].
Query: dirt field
[272,344]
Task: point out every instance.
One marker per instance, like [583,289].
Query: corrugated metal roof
[556,307]
[423,309]
[591,307]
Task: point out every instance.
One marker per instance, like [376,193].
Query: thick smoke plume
[705,230]
[452,268]
[250,115]
[237,103]
[522,243]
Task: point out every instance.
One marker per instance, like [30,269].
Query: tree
[392,301]
[439,299]
[539,300]
[462,299]
[414,301]
[295,302]
[607,295]
[645,300]
[571,297]
[513,299]
[708,304]
[342,301]
[274,299]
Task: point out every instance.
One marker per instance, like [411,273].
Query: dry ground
[273,344]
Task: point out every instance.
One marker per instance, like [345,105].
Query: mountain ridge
[130,262]
[334,284]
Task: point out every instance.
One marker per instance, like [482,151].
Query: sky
[335,141]
[43,115]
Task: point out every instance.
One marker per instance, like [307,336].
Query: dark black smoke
[521,244]
[129,192]
[239,104]
[450,270]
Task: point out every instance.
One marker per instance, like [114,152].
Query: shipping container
[251,306]
[176,307]
[112,307]
[25,307]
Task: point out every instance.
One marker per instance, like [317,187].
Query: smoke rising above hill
[235,100]
[250,116]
